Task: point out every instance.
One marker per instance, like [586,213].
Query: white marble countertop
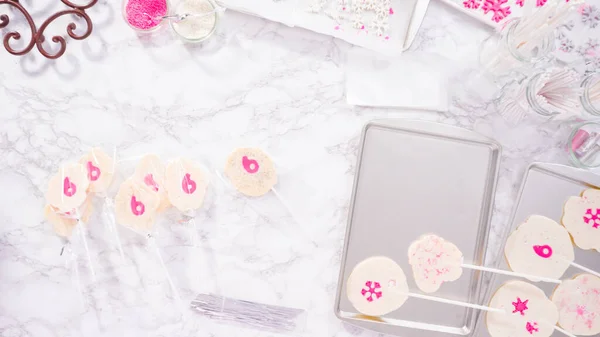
[255,83]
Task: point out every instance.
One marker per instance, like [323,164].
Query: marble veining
[256,83]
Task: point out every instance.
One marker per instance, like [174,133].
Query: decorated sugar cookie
[100,169]
[540,247]
[136,205]
[528,312]
[582,219]
[186,184]
[434,261]
[64,223]
[67,189]
[151,172]
[578,301]
[251,171]
[377,286]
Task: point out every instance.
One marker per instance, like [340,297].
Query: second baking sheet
[544,191]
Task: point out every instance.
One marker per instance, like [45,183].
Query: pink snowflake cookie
[578,301]
[377,286]
[496,6]
[582,219]
[434,261]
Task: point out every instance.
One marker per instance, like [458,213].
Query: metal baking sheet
[414,178]
[544,191]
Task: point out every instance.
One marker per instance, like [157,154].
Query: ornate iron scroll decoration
[37,35]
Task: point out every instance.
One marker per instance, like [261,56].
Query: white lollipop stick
[511,273]
[74,266]
[586,269]
[112,225]
[82,235]
[152,243]
[194,235]
[457,303]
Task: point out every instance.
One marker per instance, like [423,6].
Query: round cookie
[578,302]
[100,169]
[67,189]
[377,286]
[434,261]
[151,172]
[64,223]
[528,311]
[541,247]
[136,205]
[251,171]
[581,218]
[186,184]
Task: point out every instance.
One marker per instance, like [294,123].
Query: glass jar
[590,96]
[534,103]
[583,145]
[503,52]
[196,29]
[145,16]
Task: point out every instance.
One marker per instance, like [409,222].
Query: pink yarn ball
[145,14]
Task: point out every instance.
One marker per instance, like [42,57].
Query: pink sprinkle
[391,11]
[145,14]
[343,8]
[337,28]
[363,27]
[387,37]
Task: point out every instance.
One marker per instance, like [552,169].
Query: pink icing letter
[69,189]
[544,251]
[93,171]
[187,184]
[149,181]
[137,207]
[250,165]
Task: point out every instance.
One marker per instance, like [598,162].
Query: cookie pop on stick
[252,172]
[578,301]
[67,191]
[135,206]
[582,219]
[527,312]
[377,286]
[435,261]
[100,172]
[186,184]
[541,246]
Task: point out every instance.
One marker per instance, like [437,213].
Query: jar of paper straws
[590,95]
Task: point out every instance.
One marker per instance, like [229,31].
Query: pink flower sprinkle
[391,11]
[474,4]
[520,2]
[540,3]
[145,14]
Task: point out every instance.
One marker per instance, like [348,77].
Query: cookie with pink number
[100,169]
[151,172]
[67,189]
[581,218]
[186,184]
[541,247]
[251,171]
[578,301]
[136,205]
[527,311]
[434,261]
[377,286]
